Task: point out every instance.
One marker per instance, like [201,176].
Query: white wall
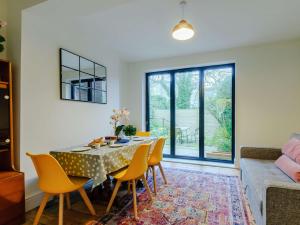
[48,123]
[267,89]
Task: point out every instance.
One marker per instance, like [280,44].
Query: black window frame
[201,70]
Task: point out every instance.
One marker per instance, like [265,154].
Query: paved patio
[193,151]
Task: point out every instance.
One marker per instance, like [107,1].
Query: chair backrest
[157,153]
[139,163]
[143,133]
[51,175]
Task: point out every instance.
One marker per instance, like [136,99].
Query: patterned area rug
[189,198]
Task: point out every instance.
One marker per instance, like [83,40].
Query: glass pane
[69,59]
[104,97]
[100,97]
[218,113]
[100,83]
[187,113]
[159,107]
[70,92]
[86,94]
[69,75]
[100,71]
[87,66]
[87,80]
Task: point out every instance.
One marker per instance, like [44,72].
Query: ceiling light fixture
[183,30]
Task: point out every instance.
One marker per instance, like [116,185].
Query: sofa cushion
[289,167]
[257,171]
[256,206]
[292,149]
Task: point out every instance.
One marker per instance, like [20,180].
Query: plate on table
[116,145]
[138,139]
[81,149]
[122,141]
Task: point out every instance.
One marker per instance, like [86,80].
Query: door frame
[201,70]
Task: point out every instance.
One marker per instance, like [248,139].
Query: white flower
[120,116]
[3,23]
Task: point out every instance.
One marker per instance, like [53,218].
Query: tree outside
[218,102]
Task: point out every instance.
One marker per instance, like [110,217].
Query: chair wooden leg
[162,173]
[154,179]
[113,196]
[87,201]
[61,209]
[41,209]
[68,200]
[147,173]
[134,199]
[147,187]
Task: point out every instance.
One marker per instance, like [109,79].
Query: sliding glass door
[194,109]
[218,113]
[159,108]
[187,113]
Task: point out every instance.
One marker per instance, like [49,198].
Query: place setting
[124,136]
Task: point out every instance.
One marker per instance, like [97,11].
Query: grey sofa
[274,198]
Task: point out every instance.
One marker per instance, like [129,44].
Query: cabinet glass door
[4,119]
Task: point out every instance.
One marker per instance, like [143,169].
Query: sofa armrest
[281,203]
[260,153]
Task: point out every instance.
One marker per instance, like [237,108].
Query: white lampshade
[183,31]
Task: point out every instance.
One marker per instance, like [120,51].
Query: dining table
[98,163]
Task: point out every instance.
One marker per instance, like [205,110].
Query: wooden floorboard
[79,213]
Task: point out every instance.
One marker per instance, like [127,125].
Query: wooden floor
[79,213]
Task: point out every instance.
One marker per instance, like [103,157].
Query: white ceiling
[141,29]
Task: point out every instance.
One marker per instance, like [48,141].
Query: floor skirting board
[202,163]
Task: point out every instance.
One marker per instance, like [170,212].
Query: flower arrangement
[119,119]
[2,39]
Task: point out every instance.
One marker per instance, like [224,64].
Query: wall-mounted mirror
[82,79]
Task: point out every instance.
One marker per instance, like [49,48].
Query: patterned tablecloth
[97,163]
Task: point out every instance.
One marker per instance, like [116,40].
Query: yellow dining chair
[155,160]
[135,171]
[54,181]
[143,133]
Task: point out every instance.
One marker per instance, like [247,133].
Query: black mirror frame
[92,89]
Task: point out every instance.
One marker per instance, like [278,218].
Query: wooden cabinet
[12,199]
[12,207]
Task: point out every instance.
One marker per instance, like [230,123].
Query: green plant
[185,86]
[2,39]
[119,129]
[129,130]
[219,105]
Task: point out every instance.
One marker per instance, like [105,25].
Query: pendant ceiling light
[183,30]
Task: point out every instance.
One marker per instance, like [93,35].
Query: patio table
[98,163]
